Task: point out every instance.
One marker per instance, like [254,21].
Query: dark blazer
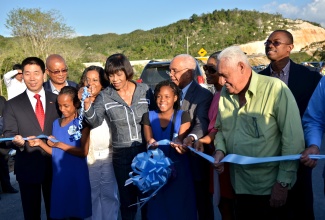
[31,164]
[302,83]
[3,151]
[47,85]
[2,106]
[197,102]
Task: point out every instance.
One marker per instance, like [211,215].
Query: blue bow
[150,172]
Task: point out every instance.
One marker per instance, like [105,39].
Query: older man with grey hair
[258,117]
[196,100]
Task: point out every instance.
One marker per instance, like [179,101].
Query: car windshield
[155,74]
[315,64]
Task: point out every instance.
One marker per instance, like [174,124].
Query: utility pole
[187,44]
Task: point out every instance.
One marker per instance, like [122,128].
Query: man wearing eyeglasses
[196,100]
[302,83]
[57,70]
[258,117]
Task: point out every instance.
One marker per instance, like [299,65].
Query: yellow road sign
[202,52]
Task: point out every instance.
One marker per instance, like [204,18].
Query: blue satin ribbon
[150,172]
[76,135]
[161,142]
[243,160]
[42,136]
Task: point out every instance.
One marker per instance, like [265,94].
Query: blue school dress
[70,196]
[176,200]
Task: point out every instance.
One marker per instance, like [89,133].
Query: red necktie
[39,111]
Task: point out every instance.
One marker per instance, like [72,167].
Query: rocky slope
[307,37]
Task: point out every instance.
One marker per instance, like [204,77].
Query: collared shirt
[54,90]
[313,120]
[14,87]
[267,125]
[184,90]
[283,75]
[32,99]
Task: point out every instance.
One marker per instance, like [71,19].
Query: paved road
[11,209]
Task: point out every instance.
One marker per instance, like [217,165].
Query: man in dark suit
[196,100]
[4,157]
[33,166]
[57,70]
[302,83]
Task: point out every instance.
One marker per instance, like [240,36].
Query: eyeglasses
[175,71]
[275,43]
[58,71]
[209,69]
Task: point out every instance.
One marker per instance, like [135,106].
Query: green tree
[41,30]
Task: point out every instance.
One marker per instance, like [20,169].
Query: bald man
[57,70]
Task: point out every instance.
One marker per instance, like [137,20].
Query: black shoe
[10,190]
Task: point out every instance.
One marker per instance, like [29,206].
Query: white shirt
[33,100]
[54,90]
[14,87]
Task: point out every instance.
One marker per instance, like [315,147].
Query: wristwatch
[283,184]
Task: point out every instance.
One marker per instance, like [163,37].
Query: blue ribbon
[243,160]
[76,134]
[161,142]
[150,172]
[42,136]
[238,159]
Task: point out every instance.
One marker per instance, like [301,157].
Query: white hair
[233,55]
[187,61]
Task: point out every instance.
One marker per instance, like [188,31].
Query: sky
[88,17]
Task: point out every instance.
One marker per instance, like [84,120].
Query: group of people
[72,185]
[95,128]
[261,115]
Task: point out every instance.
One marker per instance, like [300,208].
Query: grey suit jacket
[197,102]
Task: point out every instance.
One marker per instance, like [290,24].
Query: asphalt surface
[11,209]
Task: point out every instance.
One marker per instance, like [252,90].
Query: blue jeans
[122,159]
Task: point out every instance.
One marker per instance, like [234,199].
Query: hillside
[212,31]
[308,38]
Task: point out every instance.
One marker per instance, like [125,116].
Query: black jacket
[302,83]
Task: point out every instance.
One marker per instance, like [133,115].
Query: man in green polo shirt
[258,117]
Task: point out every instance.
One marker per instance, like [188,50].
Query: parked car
[315,65]
[259,68]
[157,71]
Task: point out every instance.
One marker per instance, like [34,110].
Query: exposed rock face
[304,34]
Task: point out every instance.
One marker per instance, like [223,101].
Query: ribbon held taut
[244,160]
[41,136]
